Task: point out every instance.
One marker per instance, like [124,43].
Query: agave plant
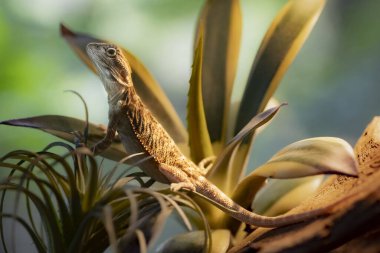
[210,133]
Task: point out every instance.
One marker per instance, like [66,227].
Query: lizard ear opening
[123,77]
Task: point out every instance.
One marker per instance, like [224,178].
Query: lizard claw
[206,164]
[178,186]
[79,139]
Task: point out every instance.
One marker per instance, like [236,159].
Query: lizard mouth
[90,49]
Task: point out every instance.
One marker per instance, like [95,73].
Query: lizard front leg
[177,177]
[104,143]
[114,116]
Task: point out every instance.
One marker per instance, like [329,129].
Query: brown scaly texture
[157,142]
[152,135]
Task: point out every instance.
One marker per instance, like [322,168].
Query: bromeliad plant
[210,134]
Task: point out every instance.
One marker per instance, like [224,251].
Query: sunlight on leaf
[310,157]
[220,22]
[279,196]
[199,138]
[323,155]
[280,45]
[147,88]
[278,49]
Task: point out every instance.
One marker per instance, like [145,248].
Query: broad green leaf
[148,89]
[220,21]
[312,156]
[199,138]
[279,196]
[280,45]
[323,155]
[65,127]
[194,242]
[219,171]
[282,42]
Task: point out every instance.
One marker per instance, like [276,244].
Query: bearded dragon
[139,131]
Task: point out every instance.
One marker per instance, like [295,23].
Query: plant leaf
[221,23]
[199,138]
[355,211]
[218,172]
[194,242]
[279,196]
[65,127]
[323,155]
[278,49]
[148,89]
[282,42]
[310,157]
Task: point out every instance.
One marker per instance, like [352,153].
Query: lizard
[139,131]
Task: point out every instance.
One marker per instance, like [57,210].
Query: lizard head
[112,66]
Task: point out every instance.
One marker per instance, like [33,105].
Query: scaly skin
[141,132]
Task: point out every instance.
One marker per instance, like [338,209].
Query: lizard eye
[111,52]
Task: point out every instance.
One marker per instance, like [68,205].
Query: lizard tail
[251,218]
[227,205]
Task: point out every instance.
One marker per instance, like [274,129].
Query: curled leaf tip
[321,155]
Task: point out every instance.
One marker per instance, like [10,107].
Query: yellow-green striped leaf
[279,196]
[199,138]
[220,22]
[281,43]
[322,155]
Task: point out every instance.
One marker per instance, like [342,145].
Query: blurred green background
[332,87]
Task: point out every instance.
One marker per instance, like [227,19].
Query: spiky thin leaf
[221,23]
[199,138]
[148,89]
[37,240]
[218,172]
[194,242]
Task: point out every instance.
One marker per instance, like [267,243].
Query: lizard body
[139,131]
